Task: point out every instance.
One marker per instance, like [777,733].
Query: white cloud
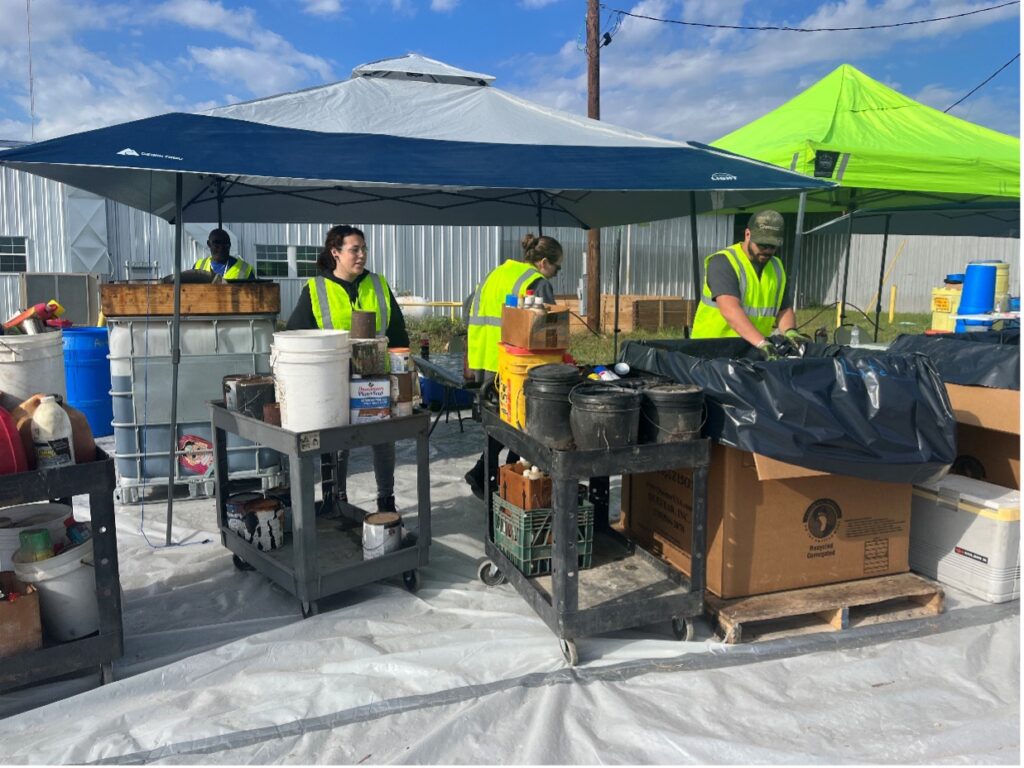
[536,3]
[322,7]
[444,6]
[261,72]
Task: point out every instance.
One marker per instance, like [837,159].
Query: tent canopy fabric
[887,150]
[402,149]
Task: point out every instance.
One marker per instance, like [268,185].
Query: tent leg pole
[794,267]
[694,249]
[618,264]
[175,352]
[846,269]
[881,277]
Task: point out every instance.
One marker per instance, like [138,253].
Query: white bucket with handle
[67,592]
[31,364]
[311,374]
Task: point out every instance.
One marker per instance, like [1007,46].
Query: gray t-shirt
[722,279]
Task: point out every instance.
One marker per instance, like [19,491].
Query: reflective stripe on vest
[760,299]
[240,270]
[512,277]
[332,307]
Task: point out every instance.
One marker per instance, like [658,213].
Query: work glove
[796,337]
[768,351]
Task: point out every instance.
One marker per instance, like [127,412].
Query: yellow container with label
[514,363]
[945,303]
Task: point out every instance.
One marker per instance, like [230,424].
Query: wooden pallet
[827,608]
[148,299]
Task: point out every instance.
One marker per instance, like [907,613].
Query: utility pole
[594,112]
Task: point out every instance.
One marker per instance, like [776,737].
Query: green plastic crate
[524,536]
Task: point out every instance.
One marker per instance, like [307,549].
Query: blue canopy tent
[200,168]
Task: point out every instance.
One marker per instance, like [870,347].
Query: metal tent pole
[694,248]
[798,241]
[846,268]
[175,351]
[881,275]
[618,263]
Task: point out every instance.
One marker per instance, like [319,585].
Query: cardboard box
[524,493]
[772,526]
[988,433]
[369,400]
[20,626]
[531,329]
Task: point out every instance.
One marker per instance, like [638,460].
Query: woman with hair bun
[540,262]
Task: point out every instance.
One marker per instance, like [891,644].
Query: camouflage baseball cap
[766,227]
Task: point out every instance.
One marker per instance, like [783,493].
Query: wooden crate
[156,299]
[826,608]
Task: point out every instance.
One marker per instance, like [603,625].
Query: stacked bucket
[985,289]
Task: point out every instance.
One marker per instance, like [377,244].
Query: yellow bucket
[514,363]
[945,302]
[1002,292]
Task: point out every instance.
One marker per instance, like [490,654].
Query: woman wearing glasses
[541,261]
[327,301]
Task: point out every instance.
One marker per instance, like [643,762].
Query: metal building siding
[34,207]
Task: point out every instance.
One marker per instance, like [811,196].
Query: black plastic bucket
[604,416]
[670,413]
[547,391]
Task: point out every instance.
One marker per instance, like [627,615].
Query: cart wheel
[682,628]
[240,564]
[412,580]
[490,575]
[310,609]
[106,673]
[569,651]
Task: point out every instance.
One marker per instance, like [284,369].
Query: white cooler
[966,533]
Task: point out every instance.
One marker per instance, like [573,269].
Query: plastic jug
[85,445]
[51,435]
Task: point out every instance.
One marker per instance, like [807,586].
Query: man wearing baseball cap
[745,291]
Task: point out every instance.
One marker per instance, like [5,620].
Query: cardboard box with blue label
[772,526]
[369,399]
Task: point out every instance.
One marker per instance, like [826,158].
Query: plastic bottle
[511,300]
[425,347]
[77,533]
[604,374]
[855,337]
[51,435]
[529,300]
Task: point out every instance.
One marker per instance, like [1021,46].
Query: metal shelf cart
[323,554]
[96,479]
[625,586]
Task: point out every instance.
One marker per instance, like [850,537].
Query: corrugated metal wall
[34,207]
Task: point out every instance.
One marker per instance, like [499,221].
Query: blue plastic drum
[976,298]
[88,376]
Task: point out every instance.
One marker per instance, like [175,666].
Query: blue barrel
[977,296]
[88,376]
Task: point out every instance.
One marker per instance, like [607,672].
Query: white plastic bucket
[382,533]
[67,592]
[311,375]
[31,364]
[48,516]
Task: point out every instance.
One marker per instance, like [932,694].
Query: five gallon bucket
[670,413]
[604,416]
[546,392]
[67,592]
[311,374]
[514,363]
[88,376]
[30,364]
[25,516]
[382,533]
[978,295]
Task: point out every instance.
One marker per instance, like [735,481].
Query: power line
[808,29]
[1017,56]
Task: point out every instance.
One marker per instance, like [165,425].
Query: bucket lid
[307,340]
[605,394]
[673,392]
[554,373]
[955,277]
[387,519]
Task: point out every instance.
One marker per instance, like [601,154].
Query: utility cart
[323,554]
[100,649]
[625,586]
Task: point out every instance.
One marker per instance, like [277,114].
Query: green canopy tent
[902,167]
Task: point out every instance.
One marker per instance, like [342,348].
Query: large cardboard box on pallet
[535,329]
[988,433]
[772,526]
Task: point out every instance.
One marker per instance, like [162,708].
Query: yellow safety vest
[240,270]
[485,315]
[761,296]
[332,308]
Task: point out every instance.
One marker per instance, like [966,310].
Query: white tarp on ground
[220,668]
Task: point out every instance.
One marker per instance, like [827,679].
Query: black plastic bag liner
[986,359]
[875,415]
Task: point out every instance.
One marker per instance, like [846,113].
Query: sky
[100,62]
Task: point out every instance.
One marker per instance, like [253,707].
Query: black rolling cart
[625,586]
[323,554]
[100,649]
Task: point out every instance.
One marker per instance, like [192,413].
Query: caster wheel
[682,629]
[240,564]
[412,580]
[569,652]
[310,609]
[490,575]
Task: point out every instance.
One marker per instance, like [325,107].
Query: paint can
[272,414]
[258,520]
[370,357]
[252,393]
[364,324]
[401,394]
[230,389]
[235,507]
[399,359]
[382,534]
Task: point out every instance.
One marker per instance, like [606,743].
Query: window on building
[272,260]
[13,254]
